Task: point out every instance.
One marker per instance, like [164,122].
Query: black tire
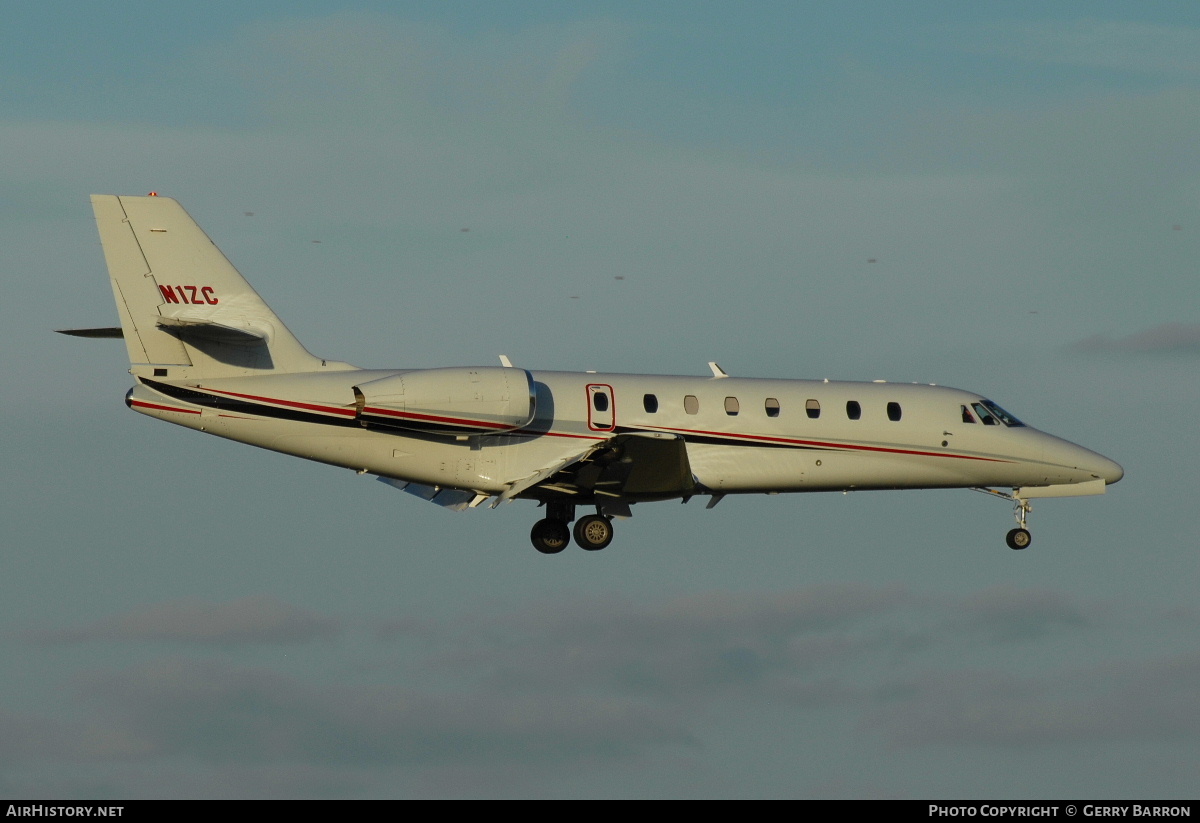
[1018,539]
[593,532]
[550,536]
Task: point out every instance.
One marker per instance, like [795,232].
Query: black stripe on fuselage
[236,405]
[423,427]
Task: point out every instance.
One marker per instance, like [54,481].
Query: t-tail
[185,310]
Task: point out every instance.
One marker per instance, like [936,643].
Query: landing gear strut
[1019,538]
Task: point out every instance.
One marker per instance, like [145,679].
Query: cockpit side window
[984,414]
[993,415]
[1001,415]
[967,416]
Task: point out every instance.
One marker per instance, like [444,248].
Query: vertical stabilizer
[185,310]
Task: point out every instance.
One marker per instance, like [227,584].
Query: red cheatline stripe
[823,445]
[457,421]
[143,404]
[290,403]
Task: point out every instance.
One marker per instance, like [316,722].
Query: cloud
[23,738]
[1128,701]
[560,687]
[1169,338]
[218,712]
[705,644]
[254,619]
[1008,614]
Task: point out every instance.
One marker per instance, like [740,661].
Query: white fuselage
[742,435]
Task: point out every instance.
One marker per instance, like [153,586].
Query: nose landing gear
[1018,538]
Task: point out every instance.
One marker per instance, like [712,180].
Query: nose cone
[1097,465]
[1080,461]
[1110,470]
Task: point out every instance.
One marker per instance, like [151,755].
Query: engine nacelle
[455,401]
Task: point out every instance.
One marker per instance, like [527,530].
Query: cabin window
[853,409]
[600,402]
[812,408]
[772,407]
[893,410]
[732,407]
[650,403]
[967,416]
[691,405]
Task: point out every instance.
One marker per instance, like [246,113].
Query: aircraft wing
[612,474]
[641,465]
[456,500]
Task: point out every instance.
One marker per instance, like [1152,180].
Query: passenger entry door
[602,411]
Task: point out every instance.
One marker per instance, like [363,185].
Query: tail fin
[185,310]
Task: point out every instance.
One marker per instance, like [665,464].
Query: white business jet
[207,353]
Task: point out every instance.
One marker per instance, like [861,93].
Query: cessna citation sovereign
[207,353]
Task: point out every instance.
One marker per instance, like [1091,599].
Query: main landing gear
[593,532]
[551,535]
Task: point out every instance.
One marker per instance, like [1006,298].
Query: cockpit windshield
[989,413]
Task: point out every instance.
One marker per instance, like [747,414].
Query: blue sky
[646,187]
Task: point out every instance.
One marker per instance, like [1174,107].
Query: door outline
[598,420]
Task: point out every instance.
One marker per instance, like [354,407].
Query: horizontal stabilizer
[214,330]
[115,333]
